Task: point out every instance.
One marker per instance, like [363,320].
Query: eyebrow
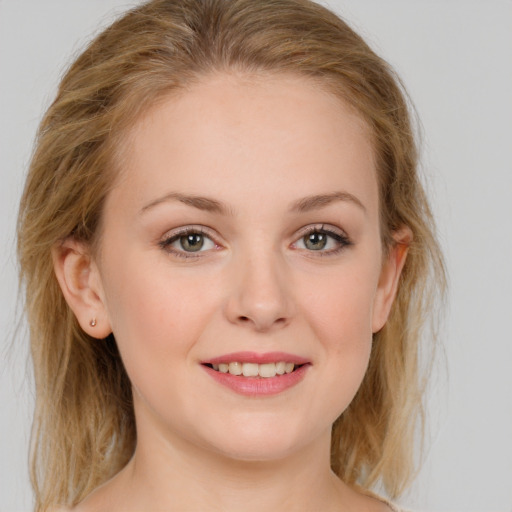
[208,204]
[316,202]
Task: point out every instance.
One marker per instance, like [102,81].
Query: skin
[258,145]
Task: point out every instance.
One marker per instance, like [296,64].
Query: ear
[390,274]
[80,282]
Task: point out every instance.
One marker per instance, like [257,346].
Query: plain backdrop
[455,58]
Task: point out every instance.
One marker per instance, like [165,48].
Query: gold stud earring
[92,323]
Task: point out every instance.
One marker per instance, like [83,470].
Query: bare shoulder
[97,501]
[111,496]
[83,506]
[385,506]
[381,506]
[92,503]
[370,502]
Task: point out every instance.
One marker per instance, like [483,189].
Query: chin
[261,440]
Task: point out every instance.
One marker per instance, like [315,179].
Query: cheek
[340,305]
[154,314]
[340,313]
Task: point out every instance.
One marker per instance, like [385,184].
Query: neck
[180,477]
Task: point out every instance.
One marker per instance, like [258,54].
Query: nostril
[260,321]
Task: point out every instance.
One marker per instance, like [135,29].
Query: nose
[260,296]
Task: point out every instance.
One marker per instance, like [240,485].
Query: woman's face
[243,236]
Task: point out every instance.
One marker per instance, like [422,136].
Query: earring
[92,323]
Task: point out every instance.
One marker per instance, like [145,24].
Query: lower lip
[259,386]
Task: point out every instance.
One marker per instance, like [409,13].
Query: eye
[325,241]
[187,241]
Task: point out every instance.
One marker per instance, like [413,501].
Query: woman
[228,257]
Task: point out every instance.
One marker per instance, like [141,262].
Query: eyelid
[172,235]
[183,230]
[322,227]
[335,233]
[339,235]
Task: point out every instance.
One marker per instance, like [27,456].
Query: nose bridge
[260,295]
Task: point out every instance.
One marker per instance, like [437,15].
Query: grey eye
[188,241]
[192,242]
[315,241]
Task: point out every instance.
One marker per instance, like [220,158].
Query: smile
[266,370]
[253,374]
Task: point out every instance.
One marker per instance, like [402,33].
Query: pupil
[316,241]
[192,242]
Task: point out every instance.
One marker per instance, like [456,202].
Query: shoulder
[375,503]
[395,508]
[384,505]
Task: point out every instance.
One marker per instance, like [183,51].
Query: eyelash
[189,230]
[341,238]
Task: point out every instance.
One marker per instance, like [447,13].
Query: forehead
[253,134]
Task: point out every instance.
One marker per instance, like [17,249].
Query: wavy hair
[84,426]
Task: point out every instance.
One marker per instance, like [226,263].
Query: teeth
[266,370]
[250,369]
[235,368]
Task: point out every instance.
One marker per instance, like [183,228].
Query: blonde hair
[84,427]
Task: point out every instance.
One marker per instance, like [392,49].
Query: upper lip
[255,357]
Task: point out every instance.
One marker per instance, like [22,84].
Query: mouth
[255,370]
[254,374]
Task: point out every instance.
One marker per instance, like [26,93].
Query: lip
[254,357]
[257,386]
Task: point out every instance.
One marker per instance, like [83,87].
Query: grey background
[455,59]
